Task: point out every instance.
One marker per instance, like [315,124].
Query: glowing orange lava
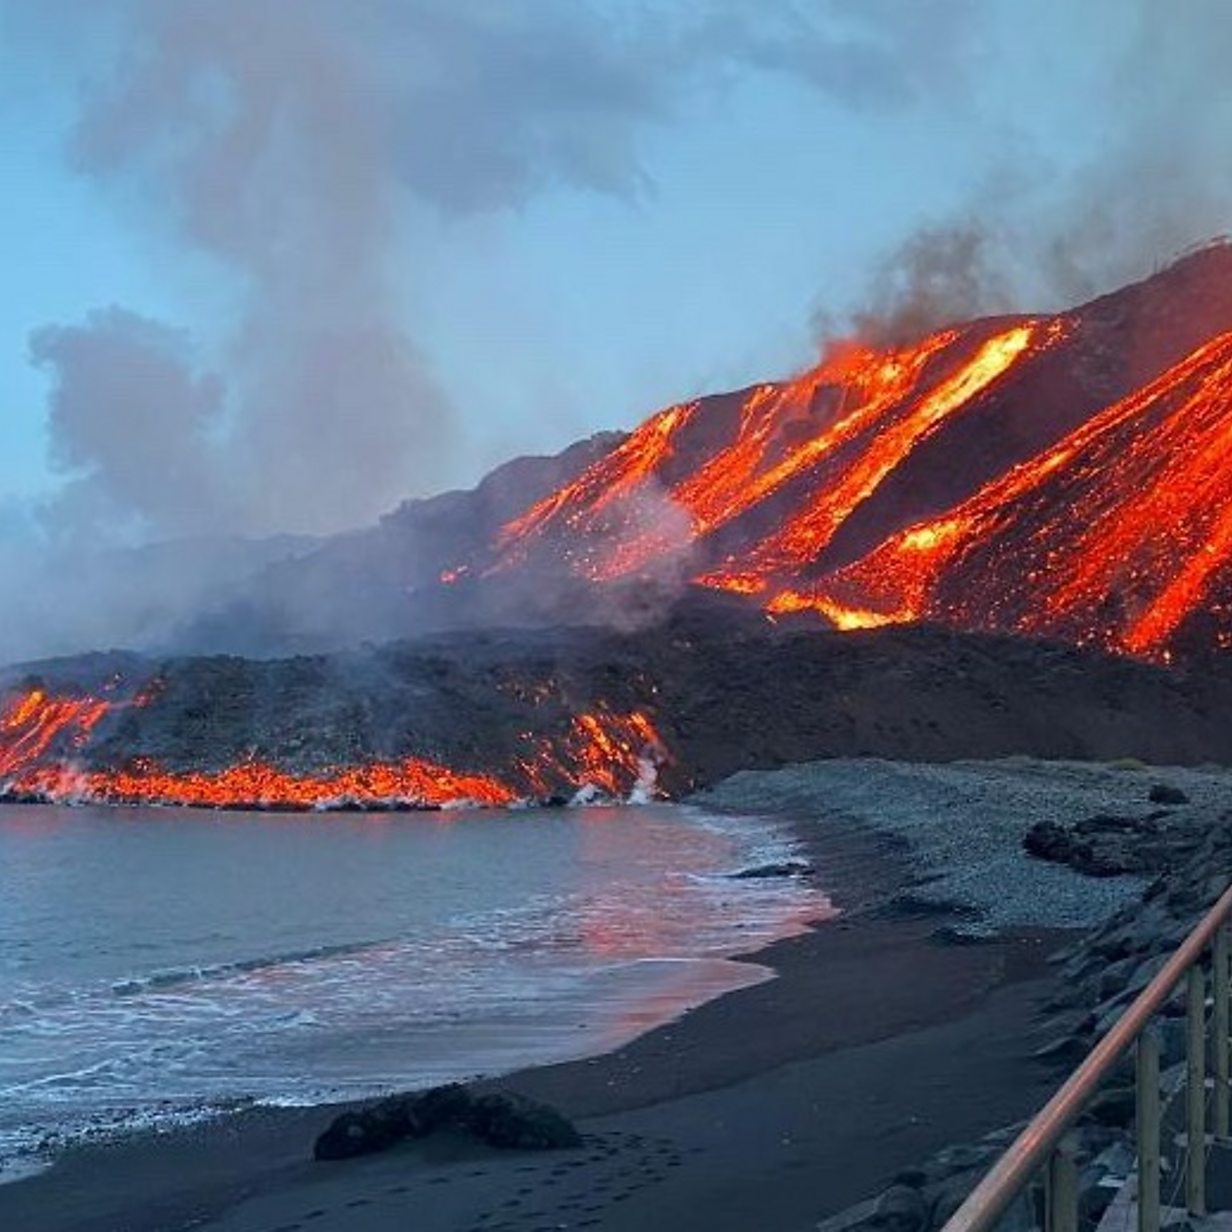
[609,752]
[606,486]
[42,737]
[842,426]
[866,382]
[804,535]
[35,723]
[1112,536]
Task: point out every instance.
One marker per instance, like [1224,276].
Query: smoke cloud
[287,147]
[287,143]
[130,420]
[940,274]
[1039,235]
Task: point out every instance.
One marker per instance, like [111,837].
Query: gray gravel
[964,822]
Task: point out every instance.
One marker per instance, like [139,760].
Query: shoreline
[846,1000]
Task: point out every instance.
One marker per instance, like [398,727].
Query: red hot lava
[1027,505]
[44,743]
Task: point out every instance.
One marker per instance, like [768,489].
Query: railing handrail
[988,1201]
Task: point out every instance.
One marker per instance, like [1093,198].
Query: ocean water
[158,964]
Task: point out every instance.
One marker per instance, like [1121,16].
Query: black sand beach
[879,1042]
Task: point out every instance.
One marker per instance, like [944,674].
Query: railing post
[1195,1093]
[1219,1031]
[1061,1192]
[1148,1131]
[1032,1151]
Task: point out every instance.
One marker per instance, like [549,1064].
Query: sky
[279,264]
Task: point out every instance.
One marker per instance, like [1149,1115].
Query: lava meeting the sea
[43,739]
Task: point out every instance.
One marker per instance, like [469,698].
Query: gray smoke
[938,275]
[130,421]
[253,132]
[289,142]
[1034,235]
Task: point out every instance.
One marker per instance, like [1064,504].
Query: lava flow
[44,751]
[823,442]
[803,536]
[1113,537]
[616,754]
[35,723]
[609,487]
[1066,477]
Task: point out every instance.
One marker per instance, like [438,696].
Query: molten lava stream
[1112,536]
[575,507]
[34,721]
[602,750]
[763,458]
[804,535]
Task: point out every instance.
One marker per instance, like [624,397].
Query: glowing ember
[42,738]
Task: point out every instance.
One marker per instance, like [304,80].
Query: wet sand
[878,1043]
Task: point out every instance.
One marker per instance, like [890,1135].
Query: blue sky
[740,203]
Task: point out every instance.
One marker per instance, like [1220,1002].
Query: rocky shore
[1042,842]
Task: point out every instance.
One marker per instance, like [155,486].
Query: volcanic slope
[1064,476]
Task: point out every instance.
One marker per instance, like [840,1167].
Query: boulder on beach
[499,1118]
[1108,845]
[1165,793]
[512,1121]
[784,868]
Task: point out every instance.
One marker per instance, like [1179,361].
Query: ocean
[163,964]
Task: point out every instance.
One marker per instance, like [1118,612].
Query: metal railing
[1040,1148]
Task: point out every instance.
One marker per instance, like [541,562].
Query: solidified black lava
[723,696]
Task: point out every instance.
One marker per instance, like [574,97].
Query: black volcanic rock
[499,1118]
[1165,793]
[787,868]
[514,1122]
[1111,846]
[722,698]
